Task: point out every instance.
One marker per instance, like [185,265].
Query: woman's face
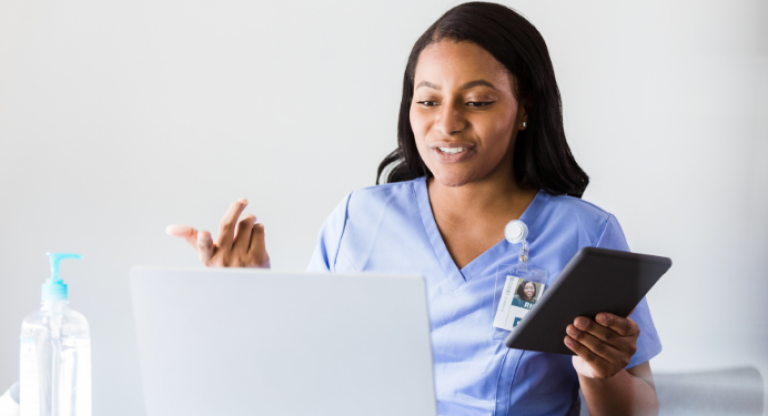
[464,113]
[529,290]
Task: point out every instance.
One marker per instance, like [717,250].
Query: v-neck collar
[479,263]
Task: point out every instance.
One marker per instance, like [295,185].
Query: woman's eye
[427,103]
[480,103]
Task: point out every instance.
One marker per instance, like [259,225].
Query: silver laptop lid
[248,342]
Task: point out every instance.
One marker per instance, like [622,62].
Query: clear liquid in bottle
[55,377]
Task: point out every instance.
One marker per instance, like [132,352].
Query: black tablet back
[595,280]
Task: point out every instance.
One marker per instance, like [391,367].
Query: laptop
[251,342]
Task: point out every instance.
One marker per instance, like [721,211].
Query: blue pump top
[54,288]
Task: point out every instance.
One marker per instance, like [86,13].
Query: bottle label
[29,390]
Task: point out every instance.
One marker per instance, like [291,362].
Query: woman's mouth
[455,153]
[451,150]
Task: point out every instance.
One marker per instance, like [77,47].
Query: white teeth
[451,150]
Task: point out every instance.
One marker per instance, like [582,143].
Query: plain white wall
[118,118]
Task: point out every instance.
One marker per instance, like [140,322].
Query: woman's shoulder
[386,190]
[565,212]
[576,204]
[380,196]
[364,205]
[572,208]
[355,223]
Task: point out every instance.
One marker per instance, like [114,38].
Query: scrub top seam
[378,226]
[341,253]
[514,377]
[341,235]
[602,233]
[508,404]
[498,381]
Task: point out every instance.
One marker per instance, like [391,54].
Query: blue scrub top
[390,229]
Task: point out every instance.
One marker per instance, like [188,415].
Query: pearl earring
[524,124]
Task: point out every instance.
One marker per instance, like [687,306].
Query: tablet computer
[595,280]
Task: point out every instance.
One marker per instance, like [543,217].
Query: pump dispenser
[54,288]
[55,377]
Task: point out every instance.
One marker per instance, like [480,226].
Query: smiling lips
[452,152]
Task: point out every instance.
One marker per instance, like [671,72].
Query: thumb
[204,247]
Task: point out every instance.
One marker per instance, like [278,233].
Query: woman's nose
[450,120]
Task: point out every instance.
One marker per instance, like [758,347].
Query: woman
[480,142]
[526,291]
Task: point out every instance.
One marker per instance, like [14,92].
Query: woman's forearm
[622,394]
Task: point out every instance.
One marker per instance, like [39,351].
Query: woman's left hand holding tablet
[603,346]
[239,243]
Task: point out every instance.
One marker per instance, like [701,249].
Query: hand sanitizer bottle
[55,377]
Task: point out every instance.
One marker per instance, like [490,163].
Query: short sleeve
[327,248]
[648,343]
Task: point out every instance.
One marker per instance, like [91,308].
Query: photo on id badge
[518,298]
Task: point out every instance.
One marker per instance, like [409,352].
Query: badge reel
[518,286]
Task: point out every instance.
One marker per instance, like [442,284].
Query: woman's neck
[471,217]
[499,195]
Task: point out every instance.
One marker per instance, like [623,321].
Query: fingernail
[580,323]
[243,201]
[602,319]
[571,330]
[568,342]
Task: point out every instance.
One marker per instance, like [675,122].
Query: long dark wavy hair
[542,158]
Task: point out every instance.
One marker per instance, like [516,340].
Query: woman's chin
[452,179]
[451,182]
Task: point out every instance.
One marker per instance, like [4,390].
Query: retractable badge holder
[518,286]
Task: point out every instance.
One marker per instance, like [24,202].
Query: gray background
[120,117]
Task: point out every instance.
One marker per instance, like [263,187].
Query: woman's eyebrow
[428,85]
[468,85]
[478,83]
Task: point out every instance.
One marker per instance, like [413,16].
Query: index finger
[227,226]
[183,231]
[622,326]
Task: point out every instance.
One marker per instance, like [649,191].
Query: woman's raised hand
[239,244]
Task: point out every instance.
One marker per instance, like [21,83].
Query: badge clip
[518,286]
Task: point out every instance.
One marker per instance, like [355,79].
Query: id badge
[518,290]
